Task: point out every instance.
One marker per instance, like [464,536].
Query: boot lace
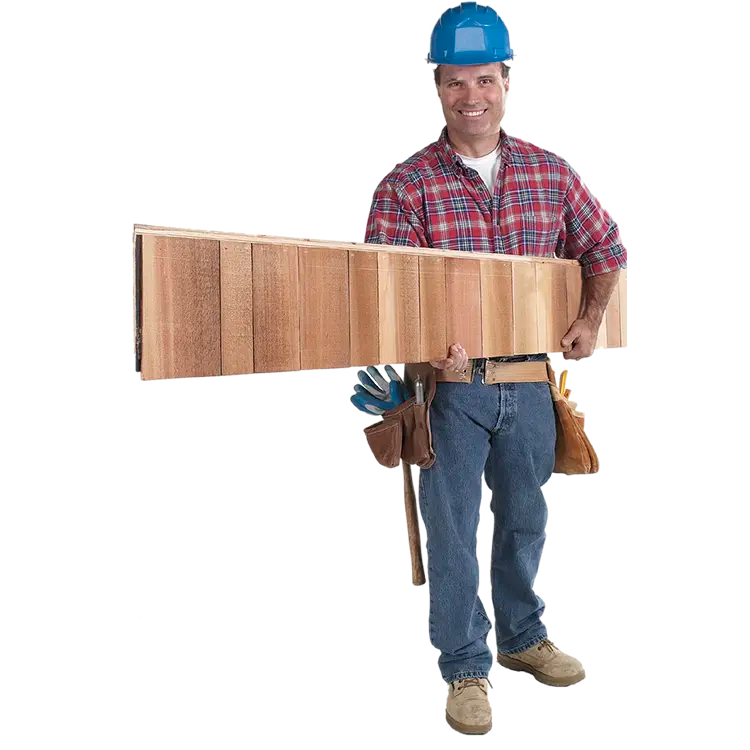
[546,643]
[461,685]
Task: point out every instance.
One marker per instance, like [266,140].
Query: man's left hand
[582,335]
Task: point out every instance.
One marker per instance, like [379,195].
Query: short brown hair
[504,70]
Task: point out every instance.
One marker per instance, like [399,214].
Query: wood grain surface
[622,285]
[236,308]
[364,323]
[432,309]
[601,336]
[398,304]
[497,306]
[275,308]
[324,307]
[612,315]
[574,289]
[181,308]
[525,310]
[463,308]
[561,322]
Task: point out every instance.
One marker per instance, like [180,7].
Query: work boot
[468,710]
[547,663]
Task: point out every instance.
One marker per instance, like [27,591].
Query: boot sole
[468,728]
[519,666]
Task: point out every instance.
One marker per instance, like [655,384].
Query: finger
[392,372]
[367,382]
[581,352]
[455,356]
[367,379]
[575,349]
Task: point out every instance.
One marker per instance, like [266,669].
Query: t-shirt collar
[452,160]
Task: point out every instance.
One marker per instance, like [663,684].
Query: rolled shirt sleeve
[393,220]
[592,237]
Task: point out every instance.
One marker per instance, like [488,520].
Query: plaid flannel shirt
[539,207]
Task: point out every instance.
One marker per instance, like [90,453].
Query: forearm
[595,296]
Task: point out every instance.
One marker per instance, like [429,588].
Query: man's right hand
[456,360]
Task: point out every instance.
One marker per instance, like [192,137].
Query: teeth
[474,114]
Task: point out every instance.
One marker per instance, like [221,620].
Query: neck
[473,147]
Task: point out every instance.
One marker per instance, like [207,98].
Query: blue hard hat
[469,34]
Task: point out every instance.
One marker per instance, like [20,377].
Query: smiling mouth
[472,112]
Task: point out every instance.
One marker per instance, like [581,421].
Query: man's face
[473,89]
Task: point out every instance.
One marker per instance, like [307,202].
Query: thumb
[571,335]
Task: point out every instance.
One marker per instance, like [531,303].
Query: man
[480,190]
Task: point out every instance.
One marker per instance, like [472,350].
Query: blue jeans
[507,431]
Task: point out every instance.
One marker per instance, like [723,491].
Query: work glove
[377,395]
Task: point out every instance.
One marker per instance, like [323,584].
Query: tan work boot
[547,663]
[468,710]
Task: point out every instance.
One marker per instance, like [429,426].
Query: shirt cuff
[596,263]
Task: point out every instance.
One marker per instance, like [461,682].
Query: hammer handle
[412,526]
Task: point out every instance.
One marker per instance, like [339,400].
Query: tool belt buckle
[479,365]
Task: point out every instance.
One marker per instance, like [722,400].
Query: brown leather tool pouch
[404,432]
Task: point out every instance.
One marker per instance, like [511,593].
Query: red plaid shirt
[539,207]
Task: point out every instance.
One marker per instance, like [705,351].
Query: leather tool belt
[405,434]
[496,372]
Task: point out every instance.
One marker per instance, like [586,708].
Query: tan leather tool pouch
[574,453]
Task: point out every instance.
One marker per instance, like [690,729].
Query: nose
[472,96]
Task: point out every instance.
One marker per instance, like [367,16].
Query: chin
[478,129]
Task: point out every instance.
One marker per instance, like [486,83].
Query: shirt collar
[452,160]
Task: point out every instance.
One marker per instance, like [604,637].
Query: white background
[220,562]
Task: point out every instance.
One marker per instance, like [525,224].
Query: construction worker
[480,190]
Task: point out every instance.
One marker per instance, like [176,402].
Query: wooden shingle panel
[432,309]
[612,314]
[275,308]
[363,309]
[552,305]
[497,308]
[622,284]
[463,318]
[236,308]
[398,304]
[181,335]
[525,315]
[324,307]
[212,303]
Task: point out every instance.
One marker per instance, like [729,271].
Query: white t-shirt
[487,166]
